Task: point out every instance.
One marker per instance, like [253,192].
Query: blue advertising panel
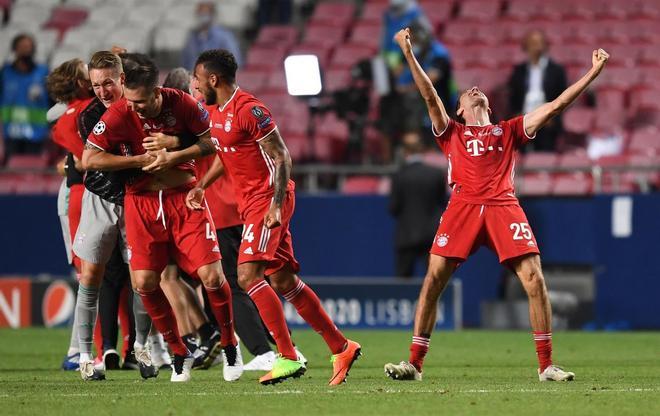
[378,303]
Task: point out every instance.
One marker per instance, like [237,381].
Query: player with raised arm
[483,208]
[158,223]
[258,162]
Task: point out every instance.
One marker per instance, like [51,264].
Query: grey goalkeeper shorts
[63,213]
[101,228]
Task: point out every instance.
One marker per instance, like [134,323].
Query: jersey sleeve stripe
[266,135]
[270,164]
[525,130]
[434,131]
[95,145]
[204,132]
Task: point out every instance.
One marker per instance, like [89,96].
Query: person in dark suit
[417,199]
[535,82]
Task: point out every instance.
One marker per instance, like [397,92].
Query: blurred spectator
[178,78]
[400,14]
[24,100]
[275,11]
[435,61]
[417,200]
[208,35]
[536,82]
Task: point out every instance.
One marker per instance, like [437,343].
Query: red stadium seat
[322,51]
[612,10]
[540,160]
[574,160]
[336,79]
[324,35]
[363,185]
[578,120]
[480,10]
[252,79]
[349,55]
[618,183]
[7,183]
[277,34]
[534,185]
[53,183]
[373,12]
[276,82]
[582,11]
[650,56]
[461,32]
[618,78]
[31,185]
[333,13]
[298,146]
[27,162]
[610,100]
[438,12]
[523,10]
[644,99]
[266,58]
[64,18]
[645,141]
[577,184]
[366,34]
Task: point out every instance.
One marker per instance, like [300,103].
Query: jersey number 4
[248,235]
[210,234]
[521,228]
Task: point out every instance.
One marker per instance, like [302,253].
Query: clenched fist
[402,38]
[599,58]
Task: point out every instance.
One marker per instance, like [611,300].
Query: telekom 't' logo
[475,147]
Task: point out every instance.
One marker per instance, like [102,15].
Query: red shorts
[466,227]
[273,246]
[160,226]
[75,207]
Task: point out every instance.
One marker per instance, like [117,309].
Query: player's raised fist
[599,58]
[402,38]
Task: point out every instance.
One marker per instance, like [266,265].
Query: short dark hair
[105,60]
[19,37]
[458,105]
[220,62]
[140,70]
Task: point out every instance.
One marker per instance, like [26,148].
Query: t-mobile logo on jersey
[475,147]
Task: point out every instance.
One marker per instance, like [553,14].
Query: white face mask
[203,20]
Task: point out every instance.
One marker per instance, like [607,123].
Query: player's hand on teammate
[273,217]
[599,59]
[402,38]
[161,161]
[194,198]
[158,141]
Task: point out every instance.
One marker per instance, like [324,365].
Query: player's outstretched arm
[274,147]
[536,119]
[196,195]
[94,158]
[436,108]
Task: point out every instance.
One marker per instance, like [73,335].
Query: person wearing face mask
[535,82]
[24,99]
[208,35]
[400,14]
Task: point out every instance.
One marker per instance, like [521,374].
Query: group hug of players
[195,191]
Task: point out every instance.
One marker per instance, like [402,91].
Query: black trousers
[116,278]
[406,257]
[247,321]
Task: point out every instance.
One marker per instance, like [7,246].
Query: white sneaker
[262,362]
[300,357]
[160,357]
[89,373]
[554,373]
[402,371]
[145,363]
[232,362]
[181,366]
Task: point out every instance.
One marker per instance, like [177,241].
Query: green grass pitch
[466,373]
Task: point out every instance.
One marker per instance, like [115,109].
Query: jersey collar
[222,107]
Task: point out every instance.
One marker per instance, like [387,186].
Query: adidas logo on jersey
[248,251]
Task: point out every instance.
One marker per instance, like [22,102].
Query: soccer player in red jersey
[256,159]
[483,208]
[158,223]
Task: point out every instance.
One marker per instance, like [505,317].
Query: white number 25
[519,228]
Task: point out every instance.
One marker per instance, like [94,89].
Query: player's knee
[284,283]
[245,279]
[145,282]
[533,282]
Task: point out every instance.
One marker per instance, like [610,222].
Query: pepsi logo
[58,304]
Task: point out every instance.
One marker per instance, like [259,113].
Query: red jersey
[121,130]
[482,160]
[220,196]
[236,129]
[65,131]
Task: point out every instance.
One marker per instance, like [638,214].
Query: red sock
[543,341]
[98,337]
[309,308]
[272,313]
[125,321]
[162,316]
[418,350]
[220,300]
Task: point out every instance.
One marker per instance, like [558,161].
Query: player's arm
[165,160]
[196,195]
[436,108]
[94,158]
[274,147]
[536,119]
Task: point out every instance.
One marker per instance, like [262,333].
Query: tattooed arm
[274,147]
[165,160]
[94,158]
